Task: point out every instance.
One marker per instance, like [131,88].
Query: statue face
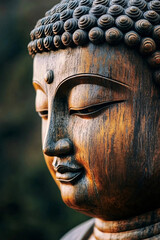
[100,124]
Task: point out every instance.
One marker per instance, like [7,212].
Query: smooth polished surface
[100,129]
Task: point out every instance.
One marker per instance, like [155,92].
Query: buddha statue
[97,76]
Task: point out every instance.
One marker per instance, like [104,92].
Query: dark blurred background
[30,203]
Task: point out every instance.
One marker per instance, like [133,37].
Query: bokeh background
[30,203]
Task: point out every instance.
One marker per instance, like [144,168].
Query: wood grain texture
[100,130]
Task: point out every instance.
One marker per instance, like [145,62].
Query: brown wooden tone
[101,138]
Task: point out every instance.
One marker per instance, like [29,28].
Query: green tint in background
[30,202]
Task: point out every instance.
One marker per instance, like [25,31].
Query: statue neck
[146,226]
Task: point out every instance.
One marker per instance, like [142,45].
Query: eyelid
[96,104]
[41,109]
[43,113]
[100,106]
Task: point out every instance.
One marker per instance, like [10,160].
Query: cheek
[103,143]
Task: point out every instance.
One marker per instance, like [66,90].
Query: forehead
[125,66]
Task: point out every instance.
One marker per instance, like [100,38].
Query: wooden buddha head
[96,76]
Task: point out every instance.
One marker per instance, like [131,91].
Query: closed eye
[93,109]
[43,114]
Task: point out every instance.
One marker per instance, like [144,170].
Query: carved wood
[99,105]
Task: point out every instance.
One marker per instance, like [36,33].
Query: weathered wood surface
[100,129]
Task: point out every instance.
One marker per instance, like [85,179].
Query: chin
[78,196]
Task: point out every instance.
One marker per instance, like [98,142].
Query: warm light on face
[95,117]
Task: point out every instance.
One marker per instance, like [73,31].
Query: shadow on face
[100,129]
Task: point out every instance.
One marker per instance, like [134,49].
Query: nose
[60,148]
[57,141]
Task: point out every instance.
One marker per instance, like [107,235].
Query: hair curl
[78,22]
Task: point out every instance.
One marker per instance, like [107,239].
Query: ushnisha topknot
[78,22]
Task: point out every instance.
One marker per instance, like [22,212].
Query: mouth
[67,174]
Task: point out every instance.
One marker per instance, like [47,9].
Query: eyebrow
[37,85]
[88,79]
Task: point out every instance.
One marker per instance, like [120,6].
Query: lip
[67,174]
